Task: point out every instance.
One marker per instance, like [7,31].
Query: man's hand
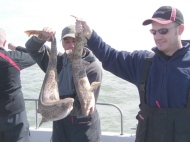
[82,27]
[91,105]
[46,34]
[11,46]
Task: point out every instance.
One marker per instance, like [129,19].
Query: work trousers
[14,128]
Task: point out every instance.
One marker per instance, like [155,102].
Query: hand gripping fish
[50,106]
[85,91]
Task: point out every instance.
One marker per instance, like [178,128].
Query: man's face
[166,37]
[68,43]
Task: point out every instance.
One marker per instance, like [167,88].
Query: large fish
[84,89]
[50,106]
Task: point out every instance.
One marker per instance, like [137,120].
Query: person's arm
[12,46]
[20,48]
[123,64]
[38,51]
[36,48]
[21,56]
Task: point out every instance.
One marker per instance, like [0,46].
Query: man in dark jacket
[14,125]
[75,127]
[164,89]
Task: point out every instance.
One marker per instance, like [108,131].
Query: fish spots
[81,73]
[52,97]
[82,82]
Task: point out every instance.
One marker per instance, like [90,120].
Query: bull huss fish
[84,90]
[50,106]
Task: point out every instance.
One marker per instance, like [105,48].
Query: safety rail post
[36,106]
[121,113]
[36,103]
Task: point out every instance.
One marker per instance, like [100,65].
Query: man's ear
[181,29]
[4,43]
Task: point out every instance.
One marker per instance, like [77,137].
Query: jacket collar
[1,48]
[88,56]
[182,51]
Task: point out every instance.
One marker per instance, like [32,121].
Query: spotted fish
[84,89]
[50,106]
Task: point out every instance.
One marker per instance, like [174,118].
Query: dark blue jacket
[168,81]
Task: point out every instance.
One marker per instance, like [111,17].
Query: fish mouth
[71,108]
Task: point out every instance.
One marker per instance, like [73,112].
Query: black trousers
[14,128]
[163,125]
[77,129]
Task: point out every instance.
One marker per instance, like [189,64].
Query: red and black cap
[166,15]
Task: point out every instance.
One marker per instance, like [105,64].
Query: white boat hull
[44,135]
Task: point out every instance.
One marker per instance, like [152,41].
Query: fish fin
[32,32]
[42,121]
[94,85]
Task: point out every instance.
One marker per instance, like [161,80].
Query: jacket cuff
[37,40]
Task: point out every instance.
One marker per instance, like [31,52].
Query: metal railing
[98,103]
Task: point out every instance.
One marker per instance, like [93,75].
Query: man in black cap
[75,127]
[162,77]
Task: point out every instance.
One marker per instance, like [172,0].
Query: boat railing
[98,103]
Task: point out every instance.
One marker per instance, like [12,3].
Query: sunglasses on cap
[162,31]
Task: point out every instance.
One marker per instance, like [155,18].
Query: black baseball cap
[166,15]
[68,31]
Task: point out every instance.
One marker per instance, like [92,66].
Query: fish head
[67,103]
[69,54]
[66,106]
